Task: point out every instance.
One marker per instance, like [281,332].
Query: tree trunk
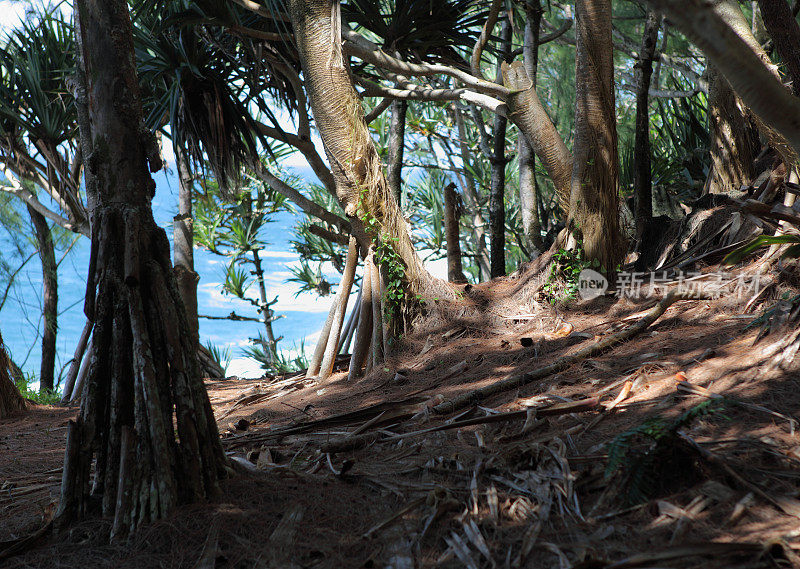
[397,134]
[271,345]
[733,143]
[377,314]
[642,175]
[343,296]
[528,202]
[452,214]
[364,331]
[360,183]
[145,424]
[497,205]
[11,401]
[785,33]
[47,254]
[528,114]
[471,197]
[594,201]
[183,242]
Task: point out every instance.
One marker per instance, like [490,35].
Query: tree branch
[307,149]
[359,46]
[752,80]
[308,206]
[385,103]
[477,51]
[232,316]
[30,198]
[338,238]
[418,93]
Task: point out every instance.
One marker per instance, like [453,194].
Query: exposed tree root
[143,378]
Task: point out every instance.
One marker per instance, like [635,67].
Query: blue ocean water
[304,315]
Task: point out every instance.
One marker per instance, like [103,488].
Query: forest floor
[367,474]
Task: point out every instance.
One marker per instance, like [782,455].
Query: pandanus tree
[190,96]
[10,399]
[145,428]
[731,49]
[235,229]
[439,33]
[39,154]
[213,71]
[516,97]
[594,198]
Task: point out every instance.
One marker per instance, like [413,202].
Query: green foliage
[220,355]
[638,456]
[35,59]
[388,259]
[206,84]
[309,279]
[427,31]
[234,229]
[237,281]
[280,361]
[562,282]
[395,291]
[42,397]
[740,253]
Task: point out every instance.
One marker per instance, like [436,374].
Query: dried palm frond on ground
[369,474]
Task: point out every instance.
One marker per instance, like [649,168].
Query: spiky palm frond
[420,31]
[237,281]
[283,361]
[309,279]
[639,456]
[35,60]
[206,83]
[220,354]
[38,127]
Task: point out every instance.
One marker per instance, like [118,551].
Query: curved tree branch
[418,93]
[307,149]
[308,206]
[477,51]
[359,46]
[385,103]
[30,199]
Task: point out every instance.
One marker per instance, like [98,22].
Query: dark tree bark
[452,214]
[497,206]
[785,33]
[528,190]
[733,141]
[594,199]
[642,175]
[397,134]
[145,424]
[271,345]
[11,401]
[47,255]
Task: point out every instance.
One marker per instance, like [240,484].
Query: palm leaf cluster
[209,85]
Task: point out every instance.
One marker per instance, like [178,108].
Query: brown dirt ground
[486,495]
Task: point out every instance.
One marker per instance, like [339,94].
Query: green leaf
[737,255]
